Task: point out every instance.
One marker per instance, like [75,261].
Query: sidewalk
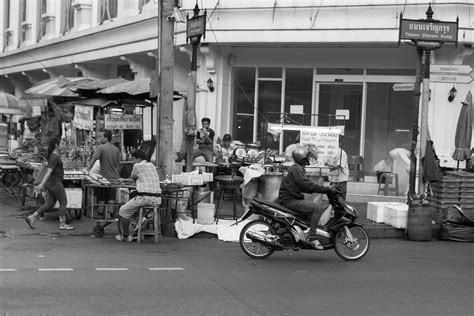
[12,222]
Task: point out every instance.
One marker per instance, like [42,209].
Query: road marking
[55,269]
[111,269]
[8,270]
[167,269]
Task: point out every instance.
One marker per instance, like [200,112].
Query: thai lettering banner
[325,139]
[83,117]
[126,121]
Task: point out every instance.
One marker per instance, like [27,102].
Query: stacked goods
[444,194]
[466,190]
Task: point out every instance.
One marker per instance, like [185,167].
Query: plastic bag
[382,166]
[41,173]
[456,226]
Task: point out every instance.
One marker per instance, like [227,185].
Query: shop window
[107,10]
[298,92]
[141,3]
[392,72]
[68,16]
[268,72]
[390,117]
[340,71]
[243,102]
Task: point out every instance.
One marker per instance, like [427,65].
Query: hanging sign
[432,30]
[126,121]
[325,139]
[83,117]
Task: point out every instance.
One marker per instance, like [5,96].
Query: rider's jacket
[295,183]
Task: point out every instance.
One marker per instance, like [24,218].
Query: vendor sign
[127,121]
[325,139]
[83,117]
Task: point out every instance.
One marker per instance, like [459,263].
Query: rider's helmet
[301,155]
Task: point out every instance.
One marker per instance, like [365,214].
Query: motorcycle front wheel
[355,249]
[252,248]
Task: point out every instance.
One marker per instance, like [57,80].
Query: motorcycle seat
[278,206]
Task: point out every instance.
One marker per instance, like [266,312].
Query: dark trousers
[304,207]
[56,192]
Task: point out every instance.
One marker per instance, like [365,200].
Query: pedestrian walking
[53,182]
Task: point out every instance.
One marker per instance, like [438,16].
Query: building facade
[298,62]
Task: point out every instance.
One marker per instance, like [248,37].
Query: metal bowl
[229,180]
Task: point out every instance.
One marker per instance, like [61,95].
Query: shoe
[316,244]
[122,238]
[30,220]
[65,227]
[179,157]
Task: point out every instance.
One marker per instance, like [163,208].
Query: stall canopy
[10,105]
[56,87]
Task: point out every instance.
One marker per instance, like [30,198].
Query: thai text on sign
[326,140]
[83,117]
[127,121]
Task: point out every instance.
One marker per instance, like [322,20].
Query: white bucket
[205,214]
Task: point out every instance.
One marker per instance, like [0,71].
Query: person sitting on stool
[148,192]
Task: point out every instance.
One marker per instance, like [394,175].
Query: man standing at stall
[109,157]
[148,192]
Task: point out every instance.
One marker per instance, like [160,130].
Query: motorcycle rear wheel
[352,251]
[251,248]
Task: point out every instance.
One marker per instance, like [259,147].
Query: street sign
[196,26]
[409,86]
[450,78]
[428,30]
[451,69]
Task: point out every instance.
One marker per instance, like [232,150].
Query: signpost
[427,35]
[452,73]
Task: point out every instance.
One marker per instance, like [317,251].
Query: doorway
[342,96]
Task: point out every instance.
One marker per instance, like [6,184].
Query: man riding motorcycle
[295,183]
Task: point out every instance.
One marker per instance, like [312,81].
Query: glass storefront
[263,95]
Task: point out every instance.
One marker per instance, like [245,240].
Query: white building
[265,57]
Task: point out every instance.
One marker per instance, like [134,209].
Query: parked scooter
[280,228]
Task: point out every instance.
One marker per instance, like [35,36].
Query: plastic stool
[225,190]
[143,213]
[387,183]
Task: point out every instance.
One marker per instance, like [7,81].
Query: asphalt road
[51,275]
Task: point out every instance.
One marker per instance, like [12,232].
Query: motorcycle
[279,228]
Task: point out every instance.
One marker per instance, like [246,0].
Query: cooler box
[397,215]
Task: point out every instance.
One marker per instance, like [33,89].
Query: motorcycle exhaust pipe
[264,240]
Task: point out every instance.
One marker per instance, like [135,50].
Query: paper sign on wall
[326,140]
[83,117]
[127,121]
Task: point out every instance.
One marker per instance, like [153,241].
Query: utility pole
[195,29]
[164,81]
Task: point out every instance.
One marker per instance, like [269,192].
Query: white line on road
[55,269]
[8,270]
[111,269]
[166,269]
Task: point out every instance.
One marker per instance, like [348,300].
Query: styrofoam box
[376,211]
[397,215]
[74,198]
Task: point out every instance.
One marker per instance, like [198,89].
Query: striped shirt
[146,176]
